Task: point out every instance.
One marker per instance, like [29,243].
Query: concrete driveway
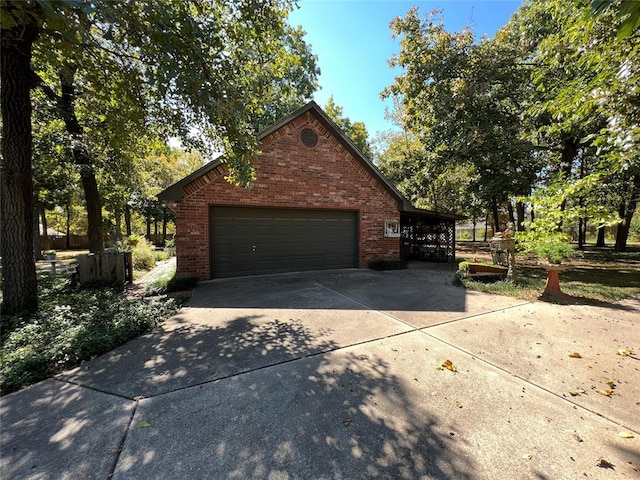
[339,375]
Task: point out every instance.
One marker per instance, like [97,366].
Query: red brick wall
[289,174]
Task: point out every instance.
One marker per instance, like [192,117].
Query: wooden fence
[112,267]
[81,242]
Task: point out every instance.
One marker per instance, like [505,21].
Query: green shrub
[120,247]
[134,239]
[554,251]
[143,255]
[173,284]
[388,264]
[161,255]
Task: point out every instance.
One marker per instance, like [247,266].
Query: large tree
[19,31]
[459,99]
[584,103]
[356,131]
[203,69]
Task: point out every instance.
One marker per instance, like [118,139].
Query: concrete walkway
[339,375]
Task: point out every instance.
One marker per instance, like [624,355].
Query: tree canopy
[356,131]
[552,97]
[201,71]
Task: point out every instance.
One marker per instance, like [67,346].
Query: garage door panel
[248,241]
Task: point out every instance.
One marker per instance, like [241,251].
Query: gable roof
[175,192]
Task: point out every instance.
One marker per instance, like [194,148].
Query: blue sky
[353,43]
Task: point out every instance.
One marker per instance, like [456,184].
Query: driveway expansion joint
[125,434]
[98,390]
[519,377]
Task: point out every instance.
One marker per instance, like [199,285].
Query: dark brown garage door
[253,241]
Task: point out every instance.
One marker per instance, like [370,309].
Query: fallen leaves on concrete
[577,437]
[606,393]
[143,424]
[575,355]
[448,364]
[626,435]
[576,392]
[602,463]
[625,352]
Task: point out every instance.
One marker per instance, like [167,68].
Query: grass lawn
[599,276]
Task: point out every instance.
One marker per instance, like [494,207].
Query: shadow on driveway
[343,415]
[411,290]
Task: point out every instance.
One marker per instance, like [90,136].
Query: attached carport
[253,241]
[428,235]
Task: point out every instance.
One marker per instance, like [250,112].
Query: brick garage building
[317,203]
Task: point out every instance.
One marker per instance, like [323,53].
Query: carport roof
[174,193]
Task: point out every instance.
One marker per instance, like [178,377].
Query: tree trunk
[486,225]
[569,152]
[600,242]
[520,213]
[473,228]
[582,233]
[512,217]
[118,221]
[94,209]
[69,225]
[148,226]
[626,211]
[622,232]
[19,288]
[127,219]
[45,225]
[496,217]
[35,224]
[81,158]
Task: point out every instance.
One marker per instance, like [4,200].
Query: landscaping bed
[73,325]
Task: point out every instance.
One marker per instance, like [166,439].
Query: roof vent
[309,138]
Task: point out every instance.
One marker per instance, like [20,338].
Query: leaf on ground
[606,393]
[527,456]
[346,422]
[633,466]
[143,424]
[602,463]
[449,366]
[459,404]
[624,352]
[611,384]
[577,437]
[626,435]
[575,355]
[575,393]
